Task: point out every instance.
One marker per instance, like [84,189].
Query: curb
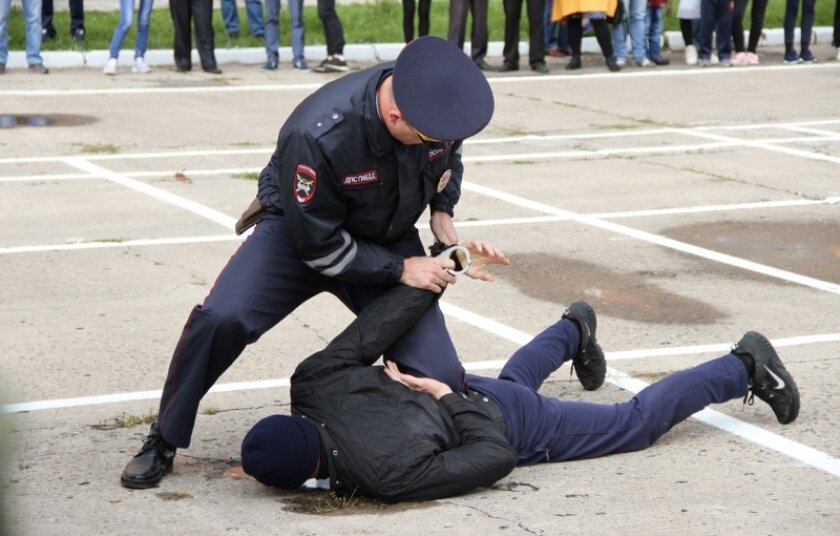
[367,53]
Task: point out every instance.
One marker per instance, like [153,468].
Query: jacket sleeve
[300,182]
[376,328]
[446,200]
[483,457]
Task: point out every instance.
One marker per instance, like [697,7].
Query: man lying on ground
[375,431]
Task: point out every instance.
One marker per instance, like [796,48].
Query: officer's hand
[443,228]
[483,254]
[428,273]
[431,387]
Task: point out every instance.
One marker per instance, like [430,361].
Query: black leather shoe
[574,64]
[212,70]
[484,66]
[589,363]
[150,464]
[509,67]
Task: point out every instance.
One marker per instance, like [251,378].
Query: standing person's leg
[756,27]
[423,11]
[457,22]
[791,7]
[272,33]
[408,20]
[723,31]
[205,35]
[549,28]
[575,26]
[637,29]
[836,41]
[47,10]
[262,283]
[513,13]
[536,35]
[619,35]
[806,30]
[120,30]
[602,35]
[181,13]
[298,33]
[333,31]
[5,13]
[77,19]
[254,10]
[708,10]
[479,35]
[230,16]
[33,29]
[738,26]
[144,17]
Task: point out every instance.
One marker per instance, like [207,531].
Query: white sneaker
[110,67]
[740,59]
[691,55]
[140,66]
[622,62]
[752,58]
[838,54]
[714,59]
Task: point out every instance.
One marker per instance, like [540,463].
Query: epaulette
[325,123]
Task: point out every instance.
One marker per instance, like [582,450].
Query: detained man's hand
[482,255]
[431,387]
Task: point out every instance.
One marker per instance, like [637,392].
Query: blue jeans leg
[619,36]
[122,28]
[708,18]
[32,16]
[143,18]
[298,32]
[230,15]
[272,30]
[653,30]
[637,28]
[723,31]
[254,9]
[806,25]
[5,12]
[550,27]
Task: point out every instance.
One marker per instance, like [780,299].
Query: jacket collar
[379,139]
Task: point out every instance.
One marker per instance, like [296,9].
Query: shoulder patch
[361,178]
[304,183]
[326,122]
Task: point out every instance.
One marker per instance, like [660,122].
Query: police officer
[356,164]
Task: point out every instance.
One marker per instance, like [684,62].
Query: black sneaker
[574,64]
[770,381]
[150,464]
[589,362]
[332,65]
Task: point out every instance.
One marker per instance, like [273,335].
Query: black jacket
[382,439]
[347,187]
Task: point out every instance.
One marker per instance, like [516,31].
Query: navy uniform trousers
[262,283]
[544,429]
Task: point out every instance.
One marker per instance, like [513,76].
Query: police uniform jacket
[382,439]
[347,188]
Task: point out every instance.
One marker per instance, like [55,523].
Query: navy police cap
[440,91]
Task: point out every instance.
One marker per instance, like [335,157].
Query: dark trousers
[458,26]
[333,31]
[262,283]
[756,24]
[200,14]
[715,16]
[77,16]
[408,18]
[536,31]
[549,429]
[602,33]
[806,25]
[836,41]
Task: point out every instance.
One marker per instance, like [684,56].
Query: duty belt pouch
[253,214]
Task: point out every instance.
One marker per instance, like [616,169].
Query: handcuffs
[459,254]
